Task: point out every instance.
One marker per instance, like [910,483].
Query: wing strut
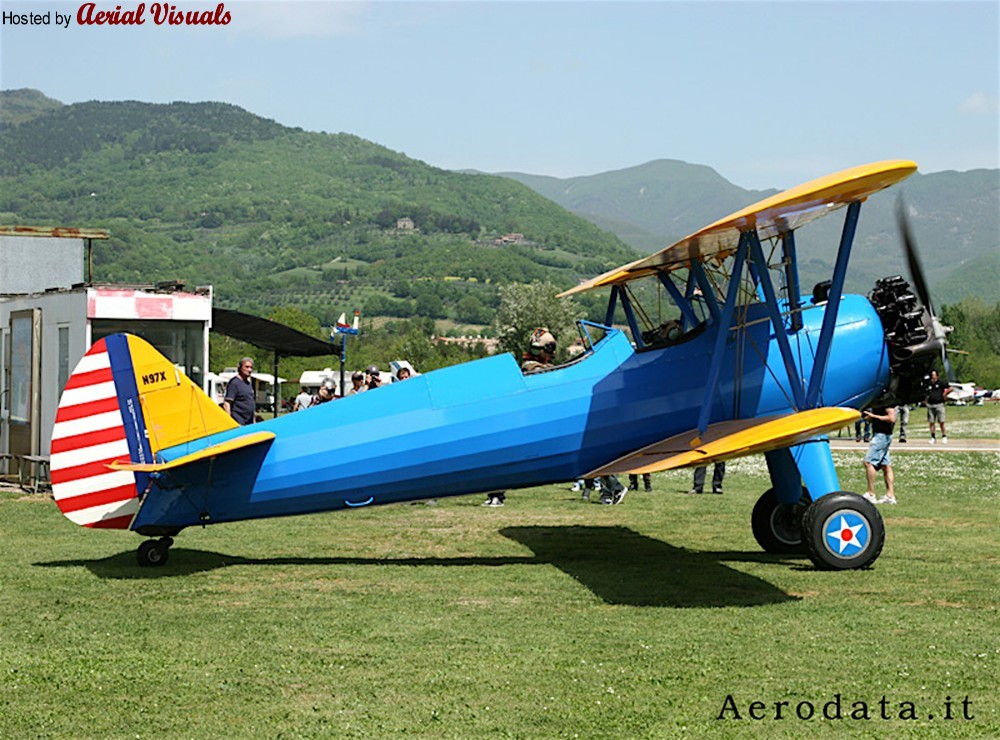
[707,291]
[725,320]
[682,302]
[609,317]
[818,376]
[764,283]
[633,322]
[791,260]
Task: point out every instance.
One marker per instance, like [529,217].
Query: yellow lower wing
[728,439]
[239,443]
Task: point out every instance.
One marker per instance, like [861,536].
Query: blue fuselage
[483,426]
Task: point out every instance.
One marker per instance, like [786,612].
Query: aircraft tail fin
[123,403]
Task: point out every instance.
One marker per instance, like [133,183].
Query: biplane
[746,364]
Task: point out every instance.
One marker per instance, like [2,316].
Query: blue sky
[768,94]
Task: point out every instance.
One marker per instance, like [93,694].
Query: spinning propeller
[936,329]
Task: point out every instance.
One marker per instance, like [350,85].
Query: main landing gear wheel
[777,527]
[153,553]
[843,531]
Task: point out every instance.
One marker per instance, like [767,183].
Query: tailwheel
[154,552]
[843,531]
[777,527]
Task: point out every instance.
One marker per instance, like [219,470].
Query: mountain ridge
[186,186]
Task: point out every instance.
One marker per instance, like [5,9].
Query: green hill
[277,216]
[271,215]
[666,198]
[18,106]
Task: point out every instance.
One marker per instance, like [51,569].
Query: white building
[51,313]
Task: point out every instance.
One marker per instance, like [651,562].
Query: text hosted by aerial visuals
[106,14]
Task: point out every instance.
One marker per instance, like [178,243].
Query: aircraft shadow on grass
[617,564]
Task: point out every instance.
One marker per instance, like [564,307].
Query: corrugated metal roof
[64,232]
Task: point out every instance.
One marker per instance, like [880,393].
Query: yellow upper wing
[772,216]
[728,439]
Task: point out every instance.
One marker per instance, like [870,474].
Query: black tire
[777,527]
[153,553]
[843,531]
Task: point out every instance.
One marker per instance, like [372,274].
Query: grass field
[546,618]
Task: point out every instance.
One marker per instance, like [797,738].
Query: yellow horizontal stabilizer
[729,439]
[247,440]
[773,216]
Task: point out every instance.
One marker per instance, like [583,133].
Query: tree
[977,333]
[296,318]
[524,307]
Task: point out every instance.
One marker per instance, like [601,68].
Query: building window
[63,358]
[182,342]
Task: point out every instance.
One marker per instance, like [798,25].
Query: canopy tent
[281,340]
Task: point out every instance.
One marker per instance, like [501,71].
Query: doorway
[23,375]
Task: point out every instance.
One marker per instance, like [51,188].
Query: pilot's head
[542,345]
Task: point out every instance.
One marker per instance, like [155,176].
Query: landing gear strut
[154,552]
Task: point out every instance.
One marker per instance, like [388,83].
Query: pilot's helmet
[542,341]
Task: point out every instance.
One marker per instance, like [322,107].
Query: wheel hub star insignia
[846,532]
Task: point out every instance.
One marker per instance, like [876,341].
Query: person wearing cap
[541,352]
[374,377]
[357,384]
[324,394]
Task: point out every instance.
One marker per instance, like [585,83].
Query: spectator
[357,384]
[633,482]
[240,402]
[374,377]
[324,394]
[903,414]
[877,458]
[937,391]
[303,401]
[718,473]
[612,491]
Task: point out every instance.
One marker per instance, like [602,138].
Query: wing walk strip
[89,435]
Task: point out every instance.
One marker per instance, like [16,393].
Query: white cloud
[979,103]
